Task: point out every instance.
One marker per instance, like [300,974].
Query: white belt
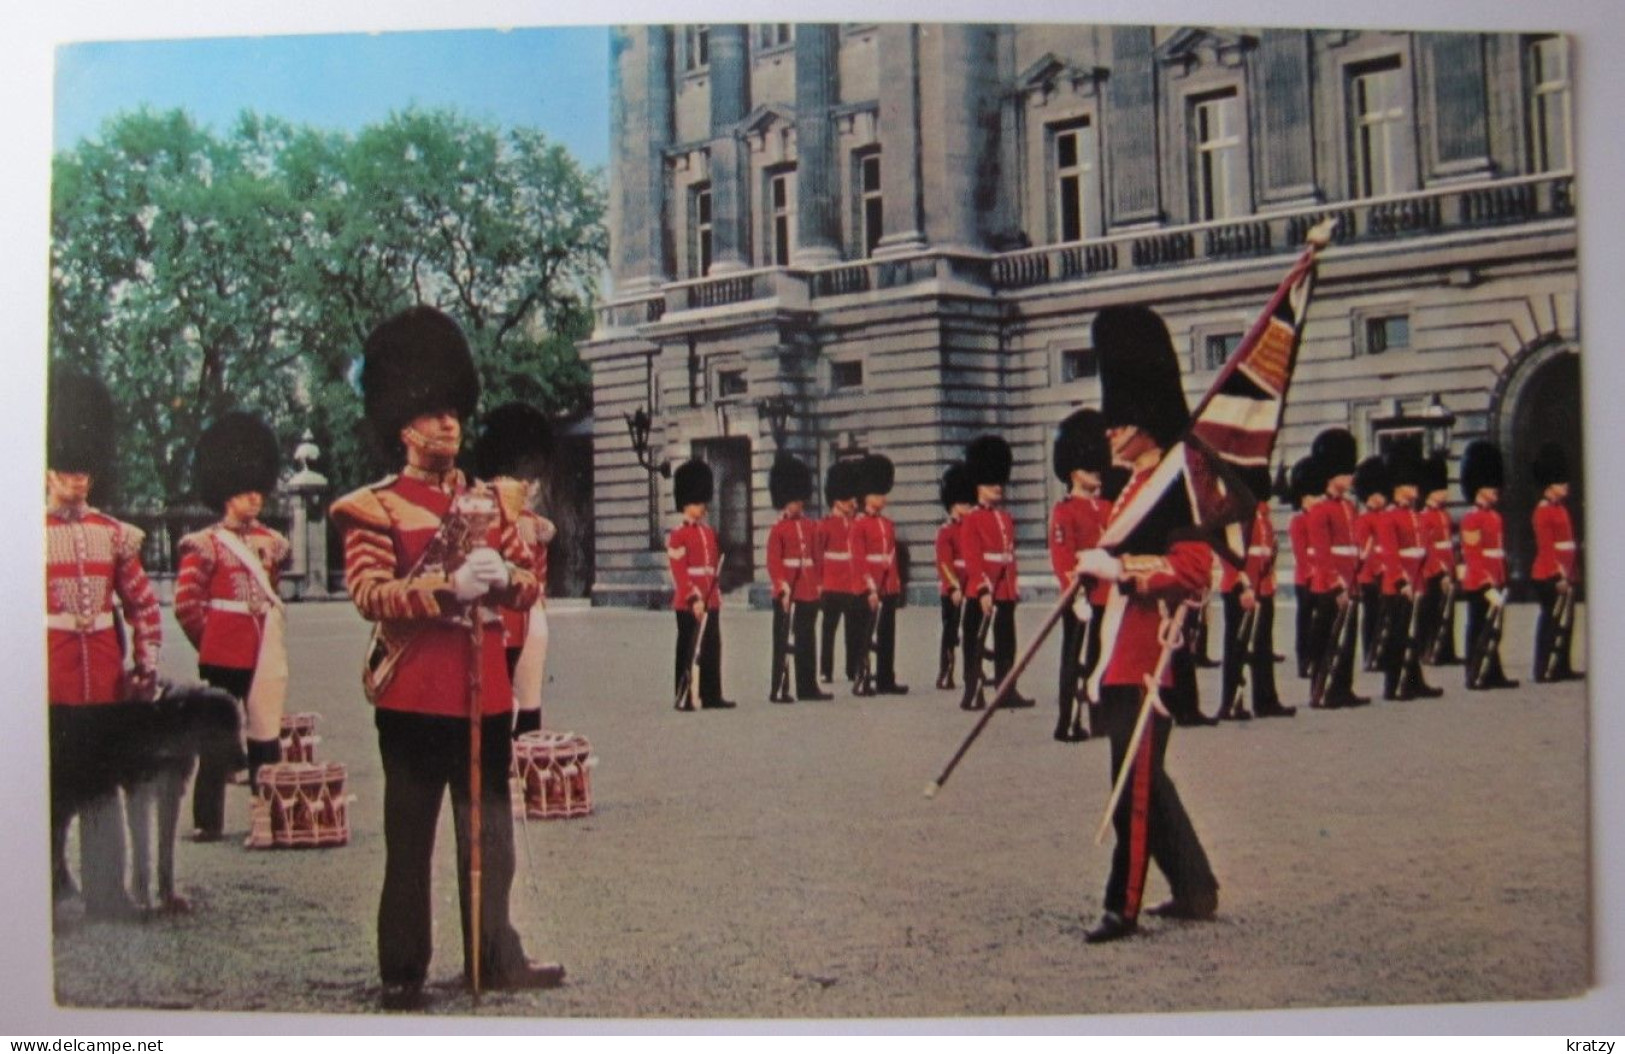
[1442,545]
[959,563]
[797,562]
[1495,554]
[1563,546]
[1345,550]
[235,606]
[879,558]
[833,555]
[1413,552]
[999,558]
[701,572]
[68,621]
[1259,550]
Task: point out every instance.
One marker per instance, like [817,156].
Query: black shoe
[718,704]
[1274,710]
[1063,731]
[972,700]
[1425,691]
[1205,663]
[528,977]
[402,996]
[1111,927]
[1078,734]
[786,698]
[1277,657]
[1240,713]
[1196,720]
[892,689]
[813,695]
[1501,682]
[205,836]
[1197,908]
[1017,701]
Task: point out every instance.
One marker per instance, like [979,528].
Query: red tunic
[988,537]
[419,659]
[1365,540]
[91,558]
[1481,549]
[874,553]
[1437,539]
[692,550]
[218,601]
[537,532]
[836,570]
[790,563]
[1075,524]
[1303,554]
[1554,542]
[1399,542]
[1331,536]
[1260,565]
[950,559]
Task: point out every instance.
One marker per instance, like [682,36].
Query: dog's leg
[139,796]
[171,788]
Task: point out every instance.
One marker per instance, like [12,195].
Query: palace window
[700,230]
[780,215]
[1387,332]
[696,48]
[731,384]
[1218,158]
[1217,349]
[1078,364]
[871,210]
[844,376]
[1380,154]
[1550,144]
[1075,167]
[774,35]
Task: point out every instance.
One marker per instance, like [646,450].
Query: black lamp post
[638,425]
[776,411]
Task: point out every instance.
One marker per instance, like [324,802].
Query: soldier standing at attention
[1081,455]
[957,496]
[697,598]
[1400,541]
[1371,490]
[93,575]
[1555,571]
[1438,643]
[988,537]
[1249,615]
[1331,537]
[418,566]
[1484,570]
[227,604]
[874,555]
[843,588]
[1305,490]
[792,571]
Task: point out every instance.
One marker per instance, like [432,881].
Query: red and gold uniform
[1438,569]
[1334,583]
[1403,549]
[1256,649]
[218,601]
[792,571]
[950,585]
[91,562]
[1332,544]
[1483,580]
[1303,573]
[1075,525]
[1555,570]
[874,554]
[843,592]
[691,549]
[525,633]
[988,538]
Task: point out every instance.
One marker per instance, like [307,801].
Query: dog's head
[189,719]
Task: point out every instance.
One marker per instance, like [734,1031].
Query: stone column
[900,184]
[1132,126]
[730,101]
[818,196]
[640,131]
[1286,149]
[959,102]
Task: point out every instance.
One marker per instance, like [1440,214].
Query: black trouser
[1303,643]
[214,767]
[423,757]
[1433,612]
[710,654]
[1371,618]
[1546,633]
[950,623]
[1257,654]
[1337,654]
[1402,657]
[885,638]
[1003,632]
[797,628]
[1478,618]
[1445,626]
[1074,632]
[835,605]
[1150,820]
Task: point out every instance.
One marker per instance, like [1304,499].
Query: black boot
[262,752]
[945,670]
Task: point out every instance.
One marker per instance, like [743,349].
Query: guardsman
[1081,455]
[428,559]
[1401,545]
[1249,615]
[1305,489]
[843,588]
[1439,565]
[989,540]
[792,571]
[1154,575]
[874,554]
[1555,571]
[93,575]
[957,496]
[696,595]
[1331,537]
[227,604]
[515,442]
[1371,490]
[1484,565]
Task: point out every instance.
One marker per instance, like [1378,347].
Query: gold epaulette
[362,508]
[510,498]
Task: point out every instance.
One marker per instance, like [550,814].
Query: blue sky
[554,79]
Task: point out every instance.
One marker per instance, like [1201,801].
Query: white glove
[467,583]
[1098,563]
[1080,607]
[489,565]
[1495,597]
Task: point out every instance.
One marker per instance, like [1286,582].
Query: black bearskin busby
[1405,469]
[415,363]
[1371,477]
[875,475]
[1080,445]
[514,440]
[1139,373]
[956,489]
[1435,473]
[988,460]
[1481,467]
[692,484]
[841,482]
[1551,465]
[1256,478]
[1308,479]
[1336,451]
[788,480]
[80,427]
[236,454]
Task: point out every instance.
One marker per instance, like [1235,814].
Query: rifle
[1330,662]
[1563,615]
[688,690]
[1373,659]
[1246,632]
[1447,604]
[1412,651]
[1489,638]
[784,645]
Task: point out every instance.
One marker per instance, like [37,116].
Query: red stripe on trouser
[1138,830]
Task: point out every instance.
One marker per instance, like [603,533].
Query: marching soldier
[1331,537]
[957,496]
[874,554]
[1400,543]
[1484,568]
[227,604]
[793,573]
[1080,456]
[1154,575]
[516,443]
[1249,615]
[1371,489]
[989,540]
[843,587]
[1305,490]
[93,576]
[696,595]
[1439,564]
[428,559]
[1555,571]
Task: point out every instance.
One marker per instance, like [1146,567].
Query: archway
[1538,402]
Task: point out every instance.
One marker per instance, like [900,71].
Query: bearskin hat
[788,480]
[1308,478]
[514,440]
[1336,451]
[80,426]
[1080,444]
[1435,472]
[1371,477]
[1113,480]
[988,460]
[841,482]
[236,454]
[1405,469]
[1256,478]
[415,363]
[1139,373]
[1481,467]
[692,484]
[1551,465]
[957,489]
[875,475]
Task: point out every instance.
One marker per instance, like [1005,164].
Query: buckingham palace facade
[893,237]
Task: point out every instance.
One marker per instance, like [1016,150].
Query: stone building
[893,237]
